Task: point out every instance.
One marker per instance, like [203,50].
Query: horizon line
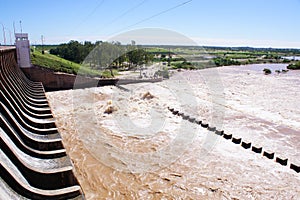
[173,45]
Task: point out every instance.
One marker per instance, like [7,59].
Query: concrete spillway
[33,161]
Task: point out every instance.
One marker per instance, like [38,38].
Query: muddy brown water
[142,151]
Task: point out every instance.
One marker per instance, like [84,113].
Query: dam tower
[23,50]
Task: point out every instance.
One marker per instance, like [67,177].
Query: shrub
[164,73]
[267,71]
[219,61]
[286,60]
[183,65]
[294,66]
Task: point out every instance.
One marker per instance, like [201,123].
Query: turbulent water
[142,151]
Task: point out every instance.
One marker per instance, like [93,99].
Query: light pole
[3,29]
[42,38]
[9,36]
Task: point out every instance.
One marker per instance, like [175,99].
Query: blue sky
[258,23]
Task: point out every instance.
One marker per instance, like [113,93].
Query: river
[142,151]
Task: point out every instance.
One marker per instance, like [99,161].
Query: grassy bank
[62,65]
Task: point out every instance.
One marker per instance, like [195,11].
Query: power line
[88,16]
[126,12]
[93,11]
[155,15]
[123,14]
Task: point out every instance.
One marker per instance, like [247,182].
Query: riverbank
[141,150]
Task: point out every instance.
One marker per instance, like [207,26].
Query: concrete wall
[54,81]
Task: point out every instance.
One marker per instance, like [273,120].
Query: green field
[197,57]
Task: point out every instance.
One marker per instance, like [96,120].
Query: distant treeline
[101,55]
[73,51]
[249,49]
[114,55]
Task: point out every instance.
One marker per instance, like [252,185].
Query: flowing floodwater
[260,67]
[142,151]
[291,57]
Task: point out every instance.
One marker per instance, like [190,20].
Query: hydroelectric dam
[33,161]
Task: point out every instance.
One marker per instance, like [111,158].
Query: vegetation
[267,71]
[294,66]
[219,61]
[53,62]
[102,59]
[103,55]
[107,59]
[59,64]
[73,51]
[277,71]
[163,73]
[183,65]
[225,55]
